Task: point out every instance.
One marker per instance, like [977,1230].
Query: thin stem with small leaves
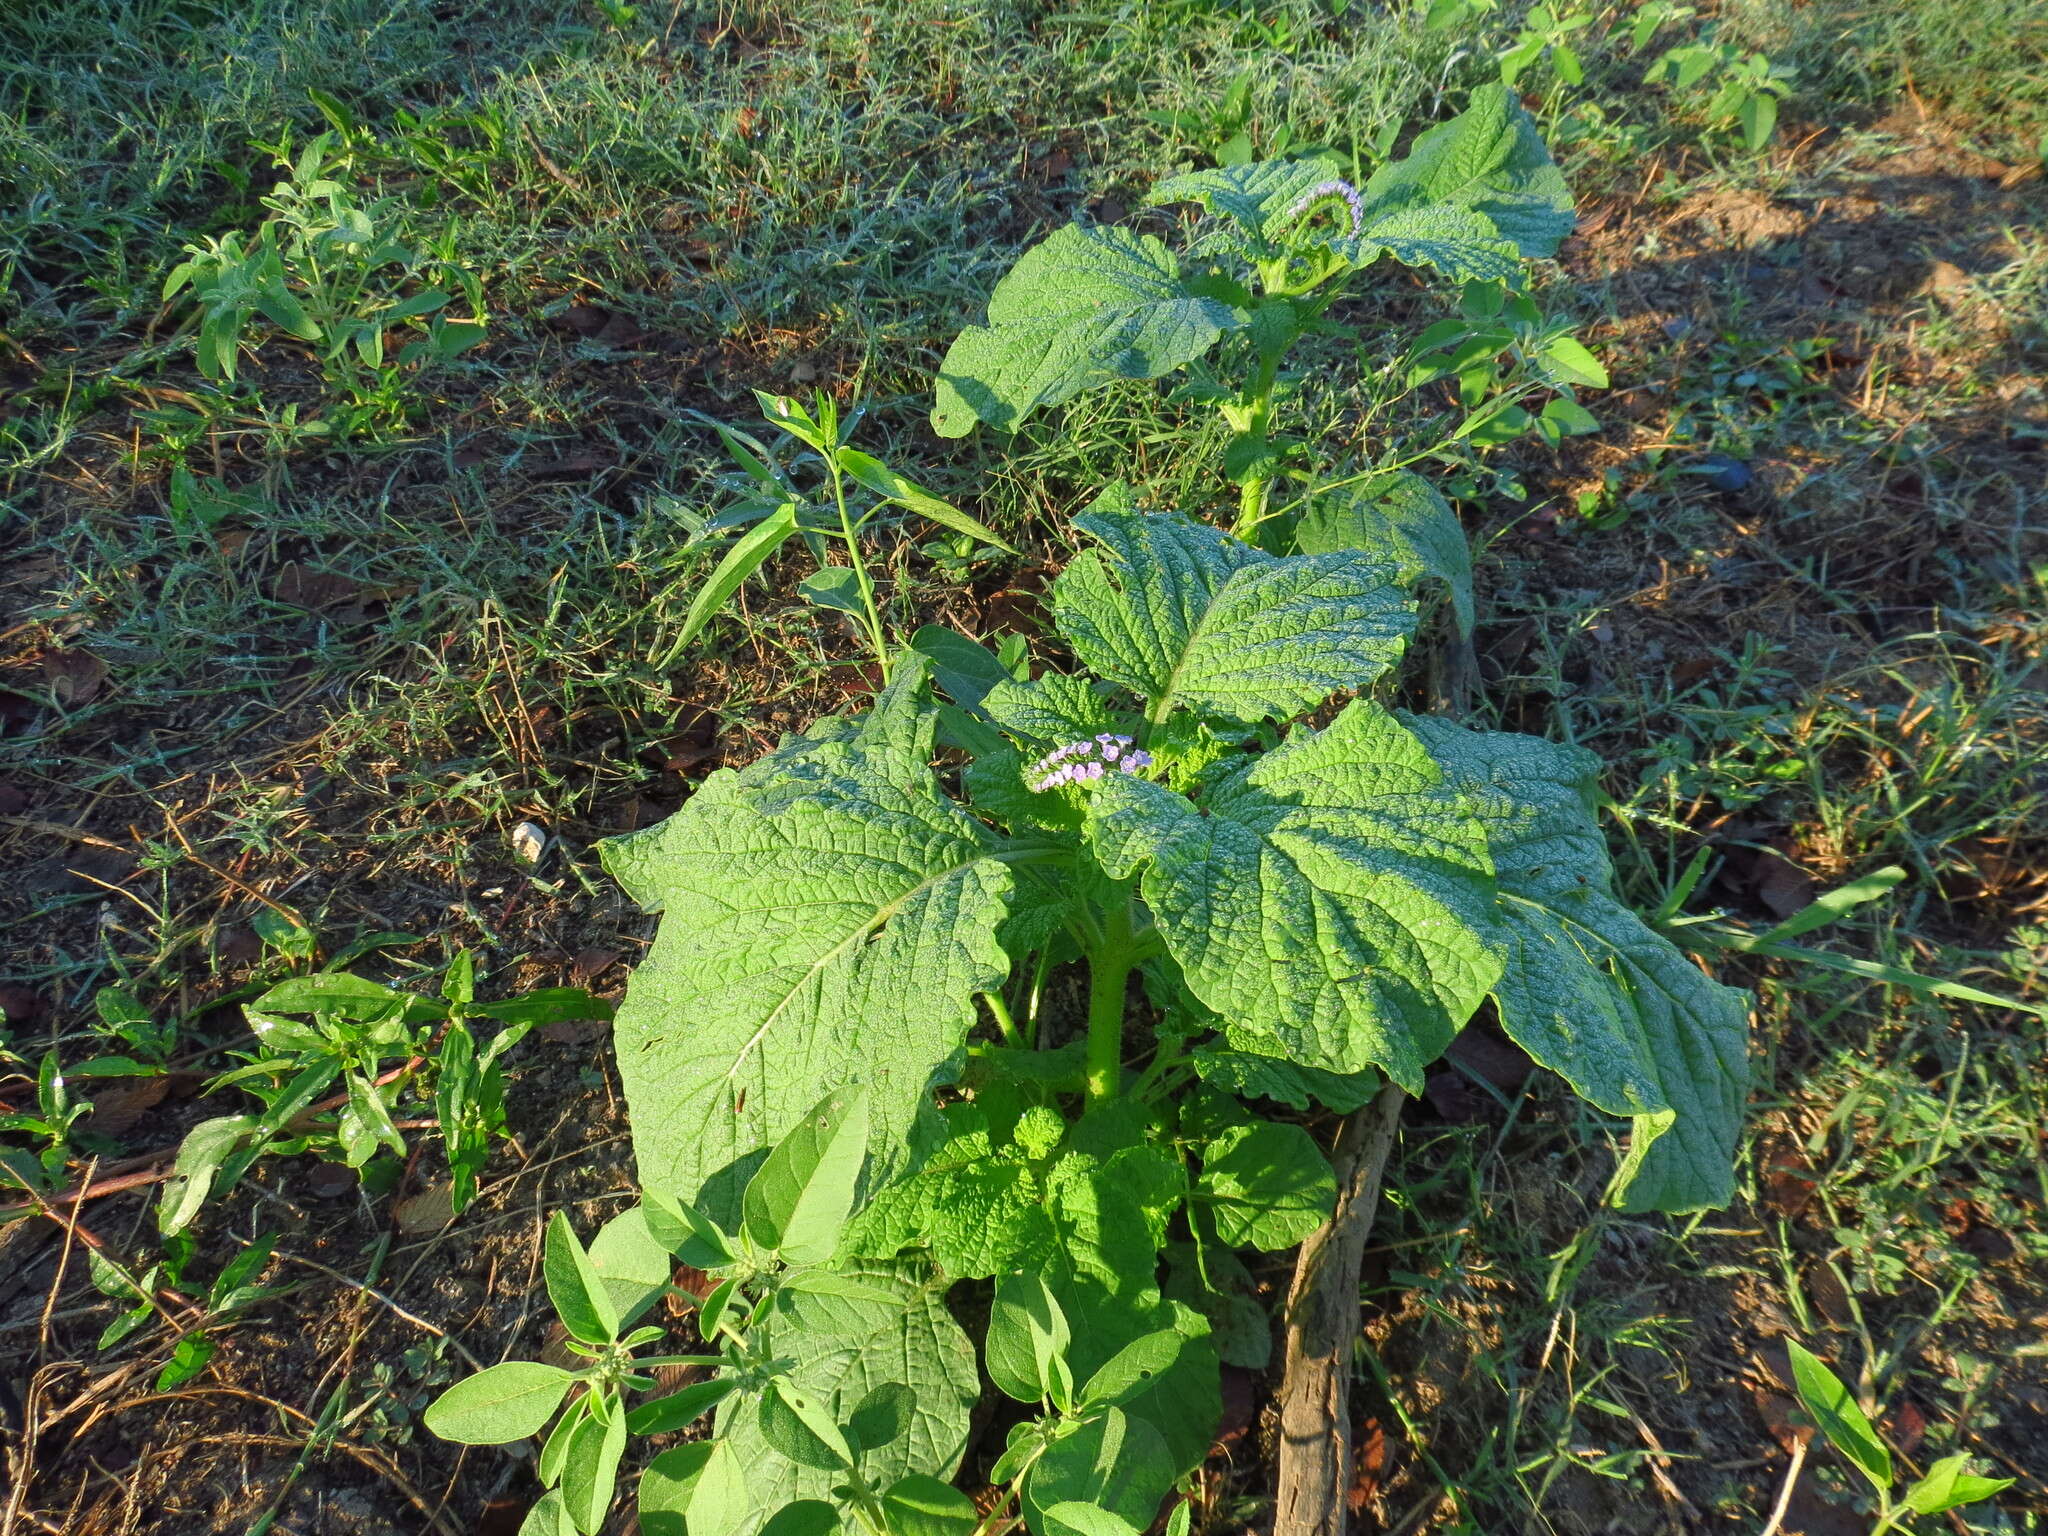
[860,570]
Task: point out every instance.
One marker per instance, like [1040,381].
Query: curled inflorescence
[1332,188]
[1077,762]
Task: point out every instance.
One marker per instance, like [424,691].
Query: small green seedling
[1947,1485]
[342,276]
[332,1030]
[774,506]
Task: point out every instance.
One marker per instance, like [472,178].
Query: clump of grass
[1982,62]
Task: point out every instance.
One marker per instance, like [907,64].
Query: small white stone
[529,841]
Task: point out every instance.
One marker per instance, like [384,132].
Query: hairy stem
[1109,969]
[999,1007]
[1251,496]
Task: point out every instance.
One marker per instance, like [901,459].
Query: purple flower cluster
[1078,762]
[1338,188]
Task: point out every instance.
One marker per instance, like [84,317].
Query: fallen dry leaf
[329,1181]
[590,964]
[75,676]
[119,1106]
[304,587]
[428,1211]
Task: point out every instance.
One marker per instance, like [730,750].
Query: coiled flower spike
[1081,762]
[1337,187]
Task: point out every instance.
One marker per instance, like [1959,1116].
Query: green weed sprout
[330,1031]
[340,275]
[1947,1485]
[774,506]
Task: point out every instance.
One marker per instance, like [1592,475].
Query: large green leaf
[1269,199]
[1489,159]
[1401,519]
[828,920]
[1461,243]
[1083,306]
[1590,990]
[842,1348]
[1265,1186]
[1332,899]
[1256,196]
[1181,613]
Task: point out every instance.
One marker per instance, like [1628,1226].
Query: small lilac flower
[1086,761]
[1333,188]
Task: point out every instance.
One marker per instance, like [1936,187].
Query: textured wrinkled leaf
[1461,243]
[1839,1416]
[841,1348]
[828,920]
[698,1489]
[506,1402]
[1239,1065]
[1266,1186]
[1333,896]
[1180,613]
[1083,306]
[1052,707]
[1401,520]
[1256,196]
[1590,990]
[1489,159]
[797,1203]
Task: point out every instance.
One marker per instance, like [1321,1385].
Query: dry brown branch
[1322,1325]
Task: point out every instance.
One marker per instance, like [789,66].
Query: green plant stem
[860,570]
[1109,969]
[1004,1022]
[1251,496]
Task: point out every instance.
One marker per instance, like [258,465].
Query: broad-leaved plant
[1036,968]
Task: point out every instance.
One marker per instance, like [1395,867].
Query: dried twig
[1785,1493]
[1322,1322]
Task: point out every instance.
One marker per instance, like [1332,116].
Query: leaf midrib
[856,937]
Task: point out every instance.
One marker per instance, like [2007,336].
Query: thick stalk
[1251,496]
[1109,971]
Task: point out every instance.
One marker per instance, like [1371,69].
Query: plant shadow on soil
[1559,1368]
